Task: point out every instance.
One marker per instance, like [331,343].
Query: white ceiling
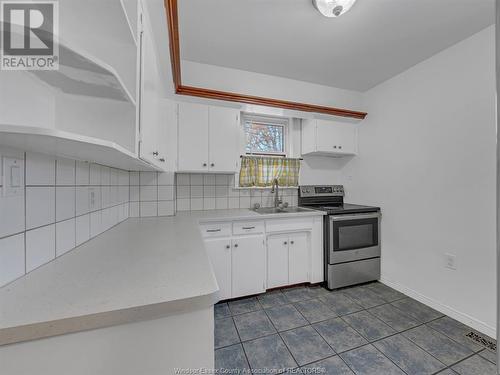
[374,41]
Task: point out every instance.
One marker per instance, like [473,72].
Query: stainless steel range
[352,235]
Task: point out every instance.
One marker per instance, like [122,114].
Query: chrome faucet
[275,190]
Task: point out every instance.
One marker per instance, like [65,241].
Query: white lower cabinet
[244,265]
[248,266]
[298,258]
[219,253]
[287,259]
[277,261]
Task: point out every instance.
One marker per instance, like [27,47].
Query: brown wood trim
[173,33]
[175,58]
[249,99]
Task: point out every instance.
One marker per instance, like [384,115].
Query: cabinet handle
[155,153]
[291,242]
[213,230]
[334,146]
[204,164]
[284,243]
[340,147]
[248,228]
[162,160]
[228,247]
[235,245]
[212,164]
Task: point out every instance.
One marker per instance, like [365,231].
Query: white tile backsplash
[134,194]
[134,178]
[165,193]
[40,246]
[149,193]
[82,200]
[65,202]
[166,179]
[65,236]
[40,169]
[65,172]
[69,202]
[12,260]
[134,209]
[82,229]
[183,179]
[12,215]
[96,223]
[59,195]
[148,179]
[148,209]
[95,174]
[166,208]
[183,191]
[40,206]
[105,176]
[217,191]
[82,173]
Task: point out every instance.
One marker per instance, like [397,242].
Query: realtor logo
[29,34]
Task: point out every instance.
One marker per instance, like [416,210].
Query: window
[265,135]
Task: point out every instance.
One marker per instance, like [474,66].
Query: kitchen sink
[276,210]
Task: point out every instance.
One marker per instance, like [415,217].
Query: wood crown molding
[175,58]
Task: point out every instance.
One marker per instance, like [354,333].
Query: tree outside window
[264,137]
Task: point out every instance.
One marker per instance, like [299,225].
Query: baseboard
[451,312]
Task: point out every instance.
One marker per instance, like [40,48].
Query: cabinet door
[327,136]
[219,252]
[277,261]
[348,139]
[167,135]
[248,266]
[335,138]
[193,137]
[223,139]
[298,258]
[149,98]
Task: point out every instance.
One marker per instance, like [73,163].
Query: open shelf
[81,74]
[69,145]
[97,50]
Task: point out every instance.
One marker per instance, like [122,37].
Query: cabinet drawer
[248,227]
[289,225]
[215,230]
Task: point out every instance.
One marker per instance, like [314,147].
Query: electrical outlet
[450,261]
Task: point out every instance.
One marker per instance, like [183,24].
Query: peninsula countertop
[141,269]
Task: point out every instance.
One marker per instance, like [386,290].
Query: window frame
[283,122]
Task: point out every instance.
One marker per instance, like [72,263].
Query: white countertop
[141,269]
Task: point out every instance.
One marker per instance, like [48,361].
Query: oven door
[354,237]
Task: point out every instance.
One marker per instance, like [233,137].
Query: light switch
[12,177]
[15,176]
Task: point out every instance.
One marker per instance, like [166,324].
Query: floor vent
[482,340]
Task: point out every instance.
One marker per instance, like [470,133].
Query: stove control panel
[321,191]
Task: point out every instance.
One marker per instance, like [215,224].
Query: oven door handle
[354,217]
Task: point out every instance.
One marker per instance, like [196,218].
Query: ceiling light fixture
[333,8]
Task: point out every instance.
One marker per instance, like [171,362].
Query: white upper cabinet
[323,137]
[193,137]
[223,143]
[208,138]
[155,114]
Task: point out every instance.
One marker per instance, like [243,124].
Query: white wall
[427,157]
[240,81]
